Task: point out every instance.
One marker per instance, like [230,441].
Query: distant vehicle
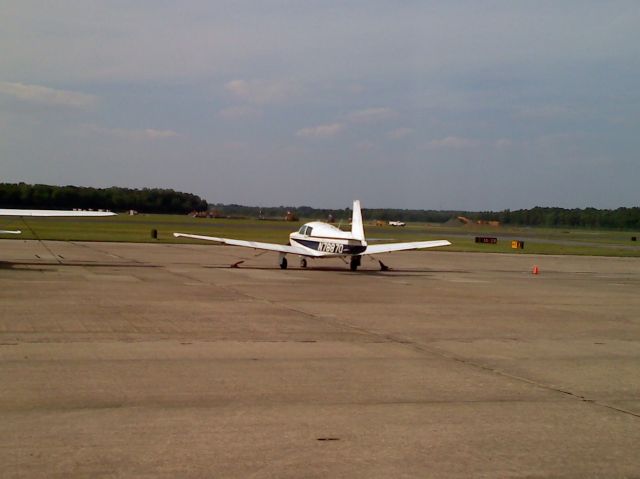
[397,223]
[322,240]
[18,212]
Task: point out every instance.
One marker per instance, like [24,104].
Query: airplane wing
[389,247]
[18,212]
[256,245]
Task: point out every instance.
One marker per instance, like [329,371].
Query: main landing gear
[283,262]
[355,262]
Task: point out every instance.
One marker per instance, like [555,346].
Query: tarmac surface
[157,360]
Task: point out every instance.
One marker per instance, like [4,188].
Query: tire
[283,263]
[355,262]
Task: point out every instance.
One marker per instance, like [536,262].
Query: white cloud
[149,134]
[504,143]
[235,147]
[321,131]
[372,115]
[239,113]
[399,133]
[48,96]
[556,140]
[453,142]
[365,146]
[263,92]
[152,134]
[545,112]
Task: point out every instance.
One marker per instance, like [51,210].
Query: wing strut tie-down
[383,267]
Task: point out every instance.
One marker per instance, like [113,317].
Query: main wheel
[355,262]
[283,263]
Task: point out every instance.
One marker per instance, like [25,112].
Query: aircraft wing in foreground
[59,213]
[322,240]
[18,212]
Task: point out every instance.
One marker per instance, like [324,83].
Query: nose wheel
[303,263]
[283,262]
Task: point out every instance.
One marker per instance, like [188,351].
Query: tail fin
[357,229]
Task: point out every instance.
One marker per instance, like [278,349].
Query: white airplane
[18,212]
[323,240]
[397,223]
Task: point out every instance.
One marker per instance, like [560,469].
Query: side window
[309,230]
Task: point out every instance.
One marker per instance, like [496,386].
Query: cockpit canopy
[305,230]
[324,230]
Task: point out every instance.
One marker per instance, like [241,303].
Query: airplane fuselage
[318,237]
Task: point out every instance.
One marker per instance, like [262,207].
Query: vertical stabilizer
[357,229]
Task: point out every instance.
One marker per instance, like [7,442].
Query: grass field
[138,229]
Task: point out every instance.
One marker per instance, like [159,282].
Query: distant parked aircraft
[397,223]
[322,240]
[18,212]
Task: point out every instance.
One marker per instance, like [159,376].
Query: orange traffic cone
[535,270]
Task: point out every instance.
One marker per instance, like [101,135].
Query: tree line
[621,218]
[147,200]
[159,200]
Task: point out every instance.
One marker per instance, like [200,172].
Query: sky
[461,105]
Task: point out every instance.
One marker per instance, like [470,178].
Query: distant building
[290,216]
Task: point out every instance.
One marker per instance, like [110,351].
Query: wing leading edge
[16,212]
[280,248]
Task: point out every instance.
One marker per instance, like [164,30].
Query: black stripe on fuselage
[347,249]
